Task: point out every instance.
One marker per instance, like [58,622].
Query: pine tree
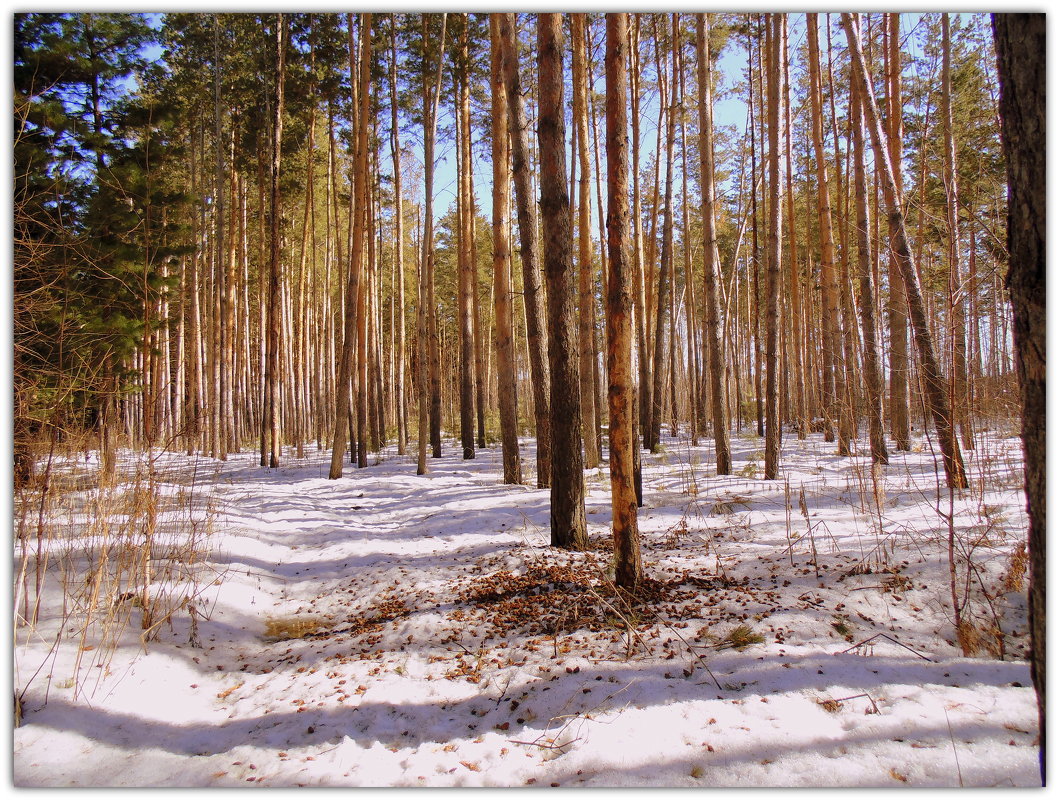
[568,521]
[536,331]
[621,393]
[773,432]
[507,385]
[1020,41]
[711,295]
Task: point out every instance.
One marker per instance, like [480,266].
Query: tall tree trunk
[753,306]
[661,317]
[568,521]
[772,429]
[353,315]
[1021,49]
[871,356]
[956,291]
[711,297]
[833,381]
[482,333]
[465,287]
[639,301]
[533,297]
[431,98]
[847,342]
[507,384]
[429,350]
[270,428]
[793,275]
[398,237]
[301,353]
[937,400]
[899,362]
[367,363]
[695,335]
[628,569]
[219,251]
[586,286]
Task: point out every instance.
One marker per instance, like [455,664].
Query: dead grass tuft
[295,626]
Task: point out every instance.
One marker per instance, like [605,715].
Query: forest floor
[388,629]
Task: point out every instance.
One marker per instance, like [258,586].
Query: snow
[442,642]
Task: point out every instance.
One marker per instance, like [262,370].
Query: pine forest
[507,399]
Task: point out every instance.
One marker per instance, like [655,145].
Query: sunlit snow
[404,674]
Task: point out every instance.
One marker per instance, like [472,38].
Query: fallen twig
[856,696]
[545,746]
[891,639]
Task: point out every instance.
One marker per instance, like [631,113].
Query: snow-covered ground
[388,629]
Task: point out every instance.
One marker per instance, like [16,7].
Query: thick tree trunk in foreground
[568,522]
[533,294]
[1021,47]
[934,389]
[621,390]
[507,384]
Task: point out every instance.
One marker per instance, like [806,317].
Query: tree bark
[568,521]
[533,298]
[621,390]
[1021,48]
[270,428]
[353,316]
[833,382]
[398,234]
[772,429]
[899,363]
[871,356]
[465,248]
[586,285]
[711,296]
[661,315]
[793,275]
[507,384]
[956,292]
[429,352]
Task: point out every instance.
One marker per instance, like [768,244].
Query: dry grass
[109,555]
[294,626]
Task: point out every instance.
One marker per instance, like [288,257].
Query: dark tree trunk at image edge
[1021,47]
[568,522]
